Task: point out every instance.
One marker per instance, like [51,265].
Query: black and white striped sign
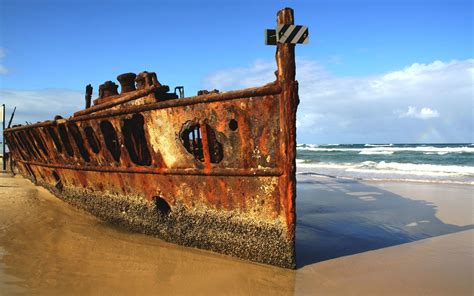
[292,34]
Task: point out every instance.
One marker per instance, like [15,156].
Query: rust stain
[214,171]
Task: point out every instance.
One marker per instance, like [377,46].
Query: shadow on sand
[343,217]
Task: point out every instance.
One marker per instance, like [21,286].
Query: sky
[374,71]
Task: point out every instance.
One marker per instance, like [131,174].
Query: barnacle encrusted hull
[215,171]
[225,232]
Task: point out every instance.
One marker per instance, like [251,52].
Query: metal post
[285,58]
[3,140]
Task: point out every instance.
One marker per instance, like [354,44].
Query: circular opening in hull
[233,124]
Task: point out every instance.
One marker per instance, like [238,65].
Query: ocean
[439,163]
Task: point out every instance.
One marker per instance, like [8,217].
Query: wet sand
[353,238]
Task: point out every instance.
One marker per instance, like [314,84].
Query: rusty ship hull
[214,171]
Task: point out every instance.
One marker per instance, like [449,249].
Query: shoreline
[373,175]
[353,237]
[421,181]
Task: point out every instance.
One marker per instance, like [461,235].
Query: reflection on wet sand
[47,247]
[344,217]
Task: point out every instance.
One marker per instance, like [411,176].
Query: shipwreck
[214,171]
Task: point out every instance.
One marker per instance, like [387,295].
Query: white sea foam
[371,170]
[396,167]
[427,168]
[401,172]
[378,145]
[437,181]
[372,152]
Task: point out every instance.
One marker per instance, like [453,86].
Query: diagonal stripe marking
[304,37]
[286,34]
[293,33]
[297,37]
[282,30]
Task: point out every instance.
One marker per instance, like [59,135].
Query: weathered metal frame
[242,206]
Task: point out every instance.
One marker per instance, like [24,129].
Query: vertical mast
[285,58]
[285,54]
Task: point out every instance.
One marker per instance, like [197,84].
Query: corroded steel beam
[214,171]
[250,172]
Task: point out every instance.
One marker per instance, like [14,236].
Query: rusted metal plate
[215,171]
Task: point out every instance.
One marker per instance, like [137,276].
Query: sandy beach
[353,238]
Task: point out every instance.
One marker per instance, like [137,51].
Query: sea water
[440,163]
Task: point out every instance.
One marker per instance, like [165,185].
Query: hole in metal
[52,133]
[111,139]
[76,135]
[26,145]
[31,143]
[22,149]
[92,139]
[59,183]
[65,139]
[29,147]
[191,137]
[135,140]
[162,206]
[192,140]
[39,140]
[233,124]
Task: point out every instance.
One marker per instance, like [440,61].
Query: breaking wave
[444,163]
[395,167]
[370,170]
[373,152]
[378,145]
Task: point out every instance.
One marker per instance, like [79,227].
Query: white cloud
[40,105]
[333,109]
[259,73]
[359,109]
[308,120]
[424,113]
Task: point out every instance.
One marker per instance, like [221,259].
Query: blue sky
[49,50]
